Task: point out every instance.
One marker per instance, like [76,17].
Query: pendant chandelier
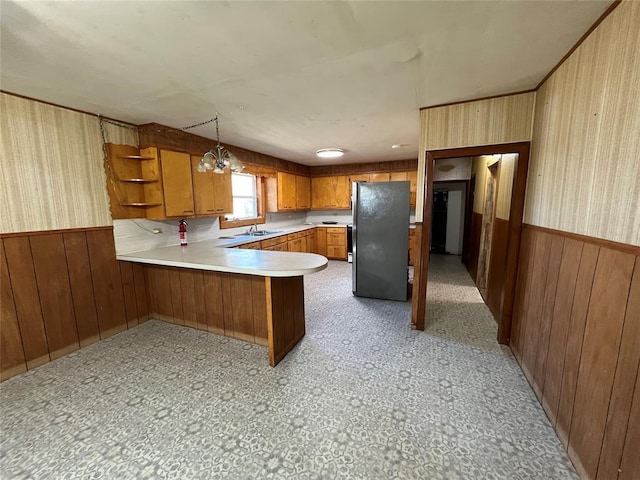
[219,159]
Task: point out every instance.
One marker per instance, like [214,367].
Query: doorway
[449,217]
[500,260]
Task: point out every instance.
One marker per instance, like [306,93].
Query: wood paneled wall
[63,290]
[218,302]
[584,170]
[264,310]
[52,167]
[506,119]
[576,334]
[479,169]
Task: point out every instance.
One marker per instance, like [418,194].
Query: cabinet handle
[211,210]
[187,211]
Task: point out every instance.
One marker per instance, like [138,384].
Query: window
[245,198]
[246,190]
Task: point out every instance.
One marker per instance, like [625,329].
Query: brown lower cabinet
[330,242]
[337,243]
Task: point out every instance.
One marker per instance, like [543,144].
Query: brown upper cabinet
[177,183]
[412,176]
[303,192]
[330,192]
[287,192]
[398,176]
[379,177]
[357,177]
[211,191]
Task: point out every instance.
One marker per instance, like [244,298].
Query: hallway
[362,396]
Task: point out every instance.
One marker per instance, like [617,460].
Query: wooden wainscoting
[576,335]
[267,311]
[63,290]
[218,302]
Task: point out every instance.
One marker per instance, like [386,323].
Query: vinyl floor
[361,397]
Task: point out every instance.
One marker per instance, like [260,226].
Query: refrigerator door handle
[354,235]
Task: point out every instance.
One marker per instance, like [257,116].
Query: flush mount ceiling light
[221,158]
[329,152]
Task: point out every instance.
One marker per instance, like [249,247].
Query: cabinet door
[222,192]
[303,193]
[286,191]
[379,177]
[342,194]
[412,176]
[336,239]
[311,242]
[398,176]
[203,194]
[177,183]
[321,241]
[321,190]
[360,177]
[336,252]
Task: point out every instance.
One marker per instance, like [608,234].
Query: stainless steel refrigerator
[380,238]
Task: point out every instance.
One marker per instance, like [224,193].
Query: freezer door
[381,239]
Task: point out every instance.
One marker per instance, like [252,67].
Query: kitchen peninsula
[252,295]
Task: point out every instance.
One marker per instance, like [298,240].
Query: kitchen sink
[259,233]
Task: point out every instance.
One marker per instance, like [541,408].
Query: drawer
[270,242]
[336,239]
[338,230]
[251,246]
[292,236]
[337,252]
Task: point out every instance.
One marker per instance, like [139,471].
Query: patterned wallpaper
[498,120]
[505,185]
[51,162]
[584,171]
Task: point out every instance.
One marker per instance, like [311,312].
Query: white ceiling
[308,74]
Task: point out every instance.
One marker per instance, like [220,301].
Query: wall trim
[601,242]
[479,99]
[25,97]
[53,232]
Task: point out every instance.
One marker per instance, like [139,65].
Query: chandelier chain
[206,122]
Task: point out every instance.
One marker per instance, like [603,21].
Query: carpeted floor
[362,396]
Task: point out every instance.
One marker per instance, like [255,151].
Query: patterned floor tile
[361,397]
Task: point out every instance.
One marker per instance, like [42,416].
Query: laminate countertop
[213,255]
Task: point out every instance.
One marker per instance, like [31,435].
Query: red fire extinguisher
[183,232]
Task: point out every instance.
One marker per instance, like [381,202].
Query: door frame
[423,230]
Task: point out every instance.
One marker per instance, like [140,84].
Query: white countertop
[211,255]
